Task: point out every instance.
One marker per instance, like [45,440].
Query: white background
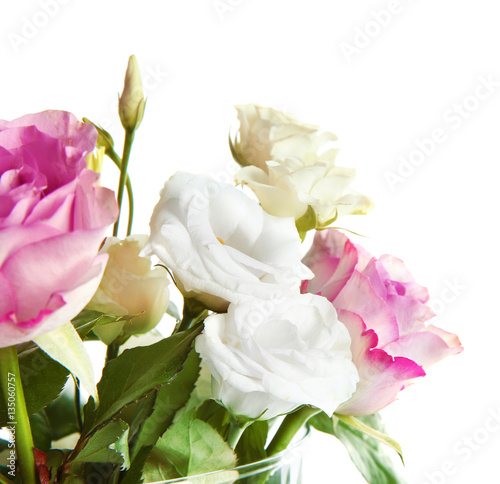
[421,68]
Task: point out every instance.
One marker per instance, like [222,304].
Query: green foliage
[369,453]
[88,319]
[373,423]
[188,448]
[61,414]
[215,415]
[108,444]
[251,446]
[54,422]
[169,399]
[306,222]
[136,373]
[40,429]
[42,378]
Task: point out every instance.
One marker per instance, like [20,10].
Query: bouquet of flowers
[268,342]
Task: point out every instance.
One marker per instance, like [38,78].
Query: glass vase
[282,468]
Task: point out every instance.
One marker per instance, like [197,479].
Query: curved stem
[111,153]
[236,430]
[112,351]
[127,147]
[292,423]
[192,313]
[19,422]
[78,408]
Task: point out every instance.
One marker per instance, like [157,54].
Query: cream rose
[291,168]
[130,287]
[289,188]
[221,245]
[267,134]
[269,357]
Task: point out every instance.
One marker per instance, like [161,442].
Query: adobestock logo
[450,293]
[466,448]
[453,119]
[225,6]
[365,34]
[32,25]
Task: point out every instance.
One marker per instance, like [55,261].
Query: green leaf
[121,447]
[306,222]
[137,372]
[368,453]
[88,319]
[134,474]
[169,399]
[136,413]
[55,459]
[66,347]
[43,380]
[190,447]
[61,414]
[251,446]
[234,147]
[358,424]
[215,415]
[41,431]
[108,444]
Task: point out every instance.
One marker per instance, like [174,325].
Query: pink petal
[12,332]
[449,338]
[15,237]
[8,303]
[332,258]
[95,206]
[375,273]
[426,347]
[398,272]
[38,270]
[410,313]
[359,297]
[382,377]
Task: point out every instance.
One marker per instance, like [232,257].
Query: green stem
[193,312]
[127,147]
[112,351]
[78,408]
[292,423]
[185,322]
[10,379]
[236,430]
[111,153]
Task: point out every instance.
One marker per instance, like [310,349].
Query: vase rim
[269,463]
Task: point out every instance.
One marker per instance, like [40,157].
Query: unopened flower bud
[131,103]
[104,139]
[129,287]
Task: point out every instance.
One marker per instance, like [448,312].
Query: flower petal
[64,345]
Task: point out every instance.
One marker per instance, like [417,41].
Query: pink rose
[53,216]
[385,312]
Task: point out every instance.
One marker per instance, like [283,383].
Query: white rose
[289,187]
[129,286]
[267,134]
[291,169]
[268,358]
[221,245]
